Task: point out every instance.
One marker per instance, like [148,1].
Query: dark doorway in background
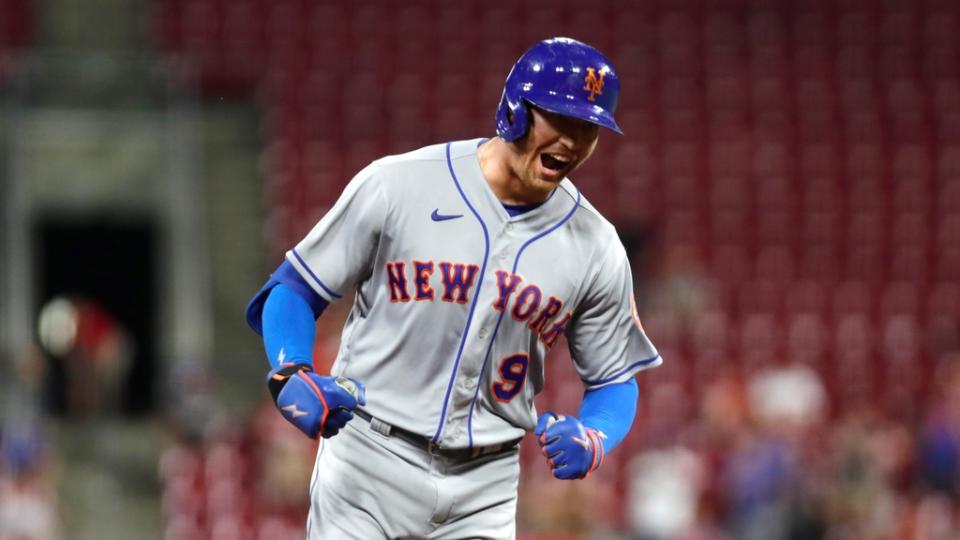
[101,272]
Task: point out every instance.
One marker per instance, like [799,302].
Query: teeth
[561,159]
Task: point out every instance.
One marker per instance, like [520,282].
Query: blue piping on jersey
[476,296]
[516,263]
[314,276]
[620,373]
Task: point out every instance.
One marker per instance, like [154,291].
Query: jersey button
[508,227]
[483,333]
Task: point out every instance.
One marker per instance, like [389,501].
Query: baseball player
[470,259]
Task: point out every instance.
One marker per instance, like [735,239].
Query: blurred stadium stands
[793,169]
[799,160]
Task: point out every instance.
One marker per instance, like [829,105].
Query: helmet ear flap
[513,118]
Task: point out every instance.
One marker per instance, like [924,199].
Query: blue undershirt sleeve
[288,327]
[284,311]
[610,409]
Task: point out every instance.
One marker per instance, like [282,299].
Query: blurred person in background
[28,501]
[94,350]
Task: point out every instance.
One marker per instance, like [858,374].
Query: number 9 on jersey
[513,373]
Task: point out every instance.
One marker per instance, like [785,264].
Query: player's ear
[527,111]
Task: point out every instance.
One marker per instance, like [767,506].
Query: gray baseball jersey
[458,303]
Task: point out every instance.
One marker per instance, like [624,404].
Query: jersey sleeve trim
[287,275]
[653,361]
[314,276]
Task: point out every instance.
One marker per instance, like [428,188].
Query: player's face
[552,149]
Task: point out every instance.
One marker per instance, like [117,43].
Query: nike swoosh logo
[437,216]
[581,442]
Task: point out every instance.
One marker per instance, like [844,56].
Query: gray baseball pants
[368,486]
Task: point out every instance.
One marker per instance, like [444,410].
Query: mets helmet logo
[593,84]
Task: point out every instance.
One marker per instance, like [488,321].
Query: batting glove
[572,450]
[316,405]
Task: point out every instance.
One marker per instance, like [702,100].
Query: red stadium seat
[864,263]
[769,62]
[810,27]
[855,63]
[948,264]
[765,28]
[858,93]
[761,340]
[910,263]
[813,62]
[759,295]
[819,127]
[865,161]
[722,28]
[772,160]
[853,297]
[944,300]
[729,158]
[940,29]
[905,95]
[854,335]
[726,93]
[948,127]
[683,228]
[912,160]
[948,230]
[821,262]
[900,28]
[818,160]
[776,263]
[711,334]
[807,339]
[682,193]
[730,227]
[814,94]
[769,93]
[775,227]
[819,227]
[896,62]
[411,22]
[856,28]
[940,63]
[946,95]
[910,229]
[854,348]
[774,126]
[731,263]
[808,296]
[864,128]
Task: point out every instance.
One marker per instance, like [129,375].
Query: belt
[425,443]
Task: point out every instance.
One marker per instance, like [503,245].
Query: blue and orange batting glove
[316,405]
[572,450]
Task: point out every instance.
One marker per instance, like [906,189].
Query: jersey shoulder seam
[584,203]
[422,154]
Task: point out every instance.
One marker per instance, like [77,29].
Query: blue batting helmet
[563,76]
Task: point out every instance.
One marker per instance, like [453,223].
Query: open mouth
[554,162]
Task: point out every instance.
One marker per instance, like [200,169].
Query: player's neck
[494,156]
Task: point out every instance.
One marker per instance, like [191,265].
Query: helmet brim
[568,106]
